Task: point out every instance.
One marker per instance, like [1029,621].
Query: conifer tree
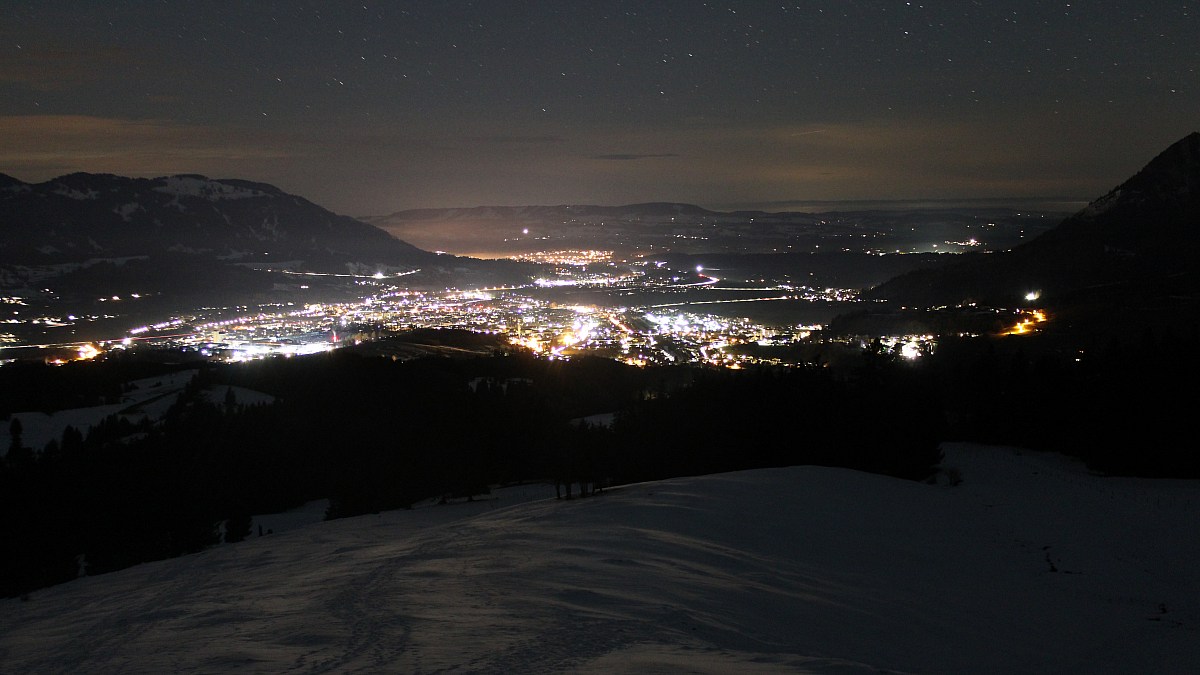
[237,527]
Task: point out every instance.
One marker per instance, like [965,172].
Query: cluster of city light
[703,338]
[164,325]
[54,321]
[249,351]
[641,335]
[910,347]
[637,336]
[581,279]
[830,294]
[117,298]
[577,258]
[88,351]
[378,275]
[83,352]
[1028,322]
[683,323]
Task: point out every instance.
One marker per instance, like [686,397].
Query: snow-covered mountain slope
[82,216]
[1030,565]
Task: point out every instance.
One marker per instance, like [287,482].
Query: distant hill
[668,214]
[1134,247]
[502,231]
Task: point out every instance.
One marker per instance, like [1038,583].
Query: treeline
[884,422]
[1121,403]
[370,433]
[367,432]
[28,387]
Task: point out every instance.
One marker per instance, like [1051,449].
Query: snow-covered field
[151,396]
[148,398]
[1029,566]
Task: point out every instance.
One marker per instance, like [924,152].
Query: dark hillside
[1148,228]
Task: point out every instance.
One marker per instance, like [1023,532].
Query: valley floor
[1029,565]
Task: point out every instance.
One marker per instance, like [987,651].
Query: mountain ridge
[83,214]
[1148,227]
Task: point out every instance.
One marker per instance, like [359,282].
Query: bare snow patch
[126,211]
[39,428]
[72,193]
[195,186]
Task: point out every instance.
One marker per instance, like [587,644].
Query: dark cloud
[517,139]
[1056,204]
[625,157]
[57,68]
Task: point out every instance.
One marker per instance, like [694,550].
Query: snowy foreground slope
[1030,565]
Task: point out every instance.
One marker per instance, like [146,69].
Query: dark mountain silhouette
[82,216]
[8,182]
[1135,245]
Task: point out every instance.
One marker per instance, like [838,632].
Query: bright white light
[1033,295]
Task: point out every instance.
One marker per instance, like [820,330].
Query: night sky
[371,107]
